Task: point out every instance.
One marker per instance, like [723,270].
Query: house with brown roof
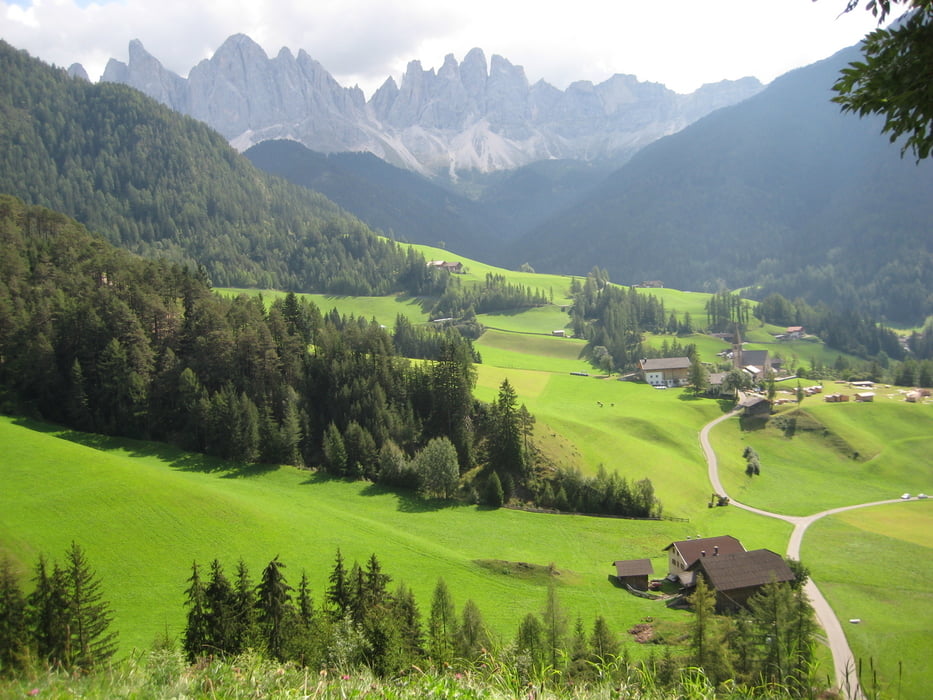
[456,267]
[634,573]
[683,554]
[737,576]
[666,371]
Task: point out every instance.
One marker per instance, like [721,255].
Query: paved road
[843,661]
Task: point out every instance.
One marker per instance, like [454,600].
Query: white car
[905,496]
[922,495]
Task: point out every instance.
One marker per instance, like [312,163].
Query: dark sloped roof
[759,358]
[743,569]
[634,567]
[665,363]
[690,550]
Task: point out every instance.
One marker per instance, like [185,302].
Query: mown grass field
[144,512]
[839,454]
[875,565]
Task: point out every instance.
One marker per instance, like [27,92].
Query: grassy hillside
[144,512]
[835,454]
[875,565]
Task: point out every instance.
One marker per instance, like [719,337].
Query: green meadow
[831,455]
[144,512]
[874,565]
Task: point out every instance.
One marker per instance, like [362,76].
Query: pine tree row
[64,622]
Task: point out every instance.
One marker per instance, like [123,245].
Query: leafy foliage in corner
[895,79]
[164,185]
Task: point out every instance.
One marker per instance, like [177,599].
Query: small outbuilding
[634,573]
[865,396]
[754,405]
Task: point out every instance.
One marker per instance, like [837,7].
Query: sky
[680,43]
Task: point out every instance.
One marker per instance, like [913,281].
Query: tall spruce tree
[197,632]
[92,642]
[274,604]
[12,618]
[442,625]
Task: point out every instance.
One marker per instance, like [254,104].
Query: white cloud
[681,43]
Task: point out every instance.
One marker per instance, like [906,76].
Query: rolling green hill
[144,512]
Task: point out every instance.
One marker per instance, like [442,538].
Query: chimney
[716,550]
[703,553]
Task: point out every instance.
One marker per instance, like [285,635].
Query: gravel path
[843,661]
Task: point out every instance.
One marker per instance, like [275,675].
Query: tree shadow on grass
[753,423]
[174,457]
[410,501]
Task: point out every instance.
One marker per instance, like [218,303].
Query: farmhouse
[445,265]
[794,332]
[685,553]
[634,573]
[737,576]
[756,362]
[666,371]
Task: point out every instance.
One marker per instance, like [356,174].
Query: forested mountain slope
[499,206]
[161,184]
[781,191]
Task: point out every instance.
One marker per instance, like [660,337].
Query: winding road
[843,661]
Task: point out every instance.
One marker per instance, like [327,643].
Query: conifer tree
[196,629]
[338,592]
[603,643]
[472,637]
[555,627]
[92,642]
[47,613]
[12,618]
[442,625]
[530,640]
[219,612]
[274,605]
[244,610]
[409,621]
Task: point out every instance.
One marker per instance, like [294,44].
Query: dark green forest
[101,340]
[164,185]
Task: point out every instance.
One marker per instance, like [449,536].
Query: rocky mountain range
[463,117]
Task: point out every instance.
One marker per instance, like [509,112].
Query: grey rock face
[461,117]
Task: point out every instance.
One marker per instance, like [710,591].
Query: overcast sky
[680,43]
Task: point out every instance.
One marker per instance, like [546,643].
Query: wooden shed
[634,573]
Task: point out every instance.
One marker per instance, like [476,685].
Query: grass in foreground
[163,673]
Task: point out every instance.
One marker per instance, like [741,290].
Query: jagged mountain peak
[465,115]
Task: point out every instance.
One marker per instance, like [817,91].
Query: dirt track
[843,661]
